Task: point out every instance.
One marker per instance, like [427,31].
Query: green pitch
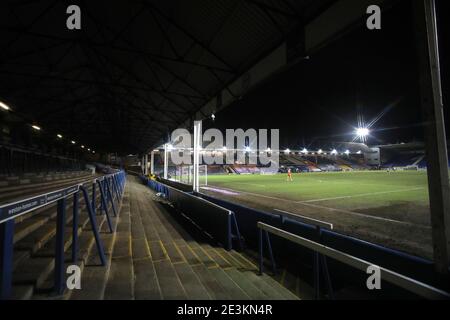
[368,188]
[386,208]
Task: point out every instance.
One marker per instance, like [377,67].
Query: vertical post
[269,247]
[94,196]
[104,205]
[197,147]
[6,258]
[93,221]
[146,164]
[316,266]
[435,138]
[59,247]
[166,159]
[260,246]
[110,195]
[152,162]
[75,228]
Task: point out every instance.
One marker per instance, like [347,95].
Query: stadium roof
[136,69]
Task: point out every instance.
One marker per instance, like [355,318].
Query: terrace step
[35,246]
[154,257]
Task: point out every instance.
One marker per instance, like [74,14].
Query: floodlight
[35,127]
[82,147]
[304,150]
[287,150]
[169,147]
[72,142]
[319,151]
[213,117]
[268,150]
[359,152]
[334,151]
[4,106]
[362,132]
[247,149]
[59,136]
[224,148]
[347,152]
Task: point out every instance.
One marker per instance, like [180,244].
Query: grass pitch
[390,209]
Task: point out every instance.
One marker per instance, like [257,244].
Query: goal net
[185,174]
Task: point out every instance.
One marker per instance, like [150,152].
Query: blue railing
[218,222]
[111,189]
[247,218]
[412,285]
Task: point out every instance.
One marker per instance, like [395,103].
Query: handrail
[308,220]
[108,184]
[407,283]
[231,218]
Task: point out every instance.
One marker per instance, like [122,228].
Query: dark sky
[370,71]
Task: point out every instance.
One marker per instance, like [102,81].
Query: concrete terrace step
[155,257]
[34,252]
[15,182]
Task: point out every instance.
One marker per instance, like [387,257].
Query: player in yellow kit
[289,175]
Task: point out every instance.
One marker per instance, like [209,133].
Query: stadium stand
[158,255]
[19,160]
[291,269]
[35,233]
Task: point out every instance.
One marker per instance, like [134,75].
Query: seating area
[34,233]
[245,169]
[18,160]
[404,160]
[150,253]
[155,255]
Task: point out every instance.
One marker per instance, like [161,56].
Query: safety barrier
[407,264]
[111,189]
[217,221]
[409,284]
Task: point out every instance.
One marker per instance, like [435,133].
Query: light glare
[4,106]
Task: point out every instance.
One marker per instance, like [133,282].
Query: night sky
[318,100]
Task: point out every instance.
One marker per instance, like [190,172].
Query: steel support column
[166,159]
[146,164]
[435,138]
[152,162]
[197,147]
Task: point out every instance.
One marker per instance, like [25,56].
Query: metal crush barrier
[404,263]
[409,284]
[111,189]
[218,222]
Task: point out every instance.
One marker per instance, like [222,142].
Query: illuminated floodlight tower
[362,133]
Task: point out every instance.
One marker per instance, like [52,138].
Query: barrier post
[93,221]
[323,263]
[6,258]
[115,187]
[110,196]
[272,259]
[260,246]
[236,229]
[75,228]
[94,196]
[59,248]
[104,205]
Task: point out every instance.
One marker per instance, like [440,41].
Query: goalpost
[185,174]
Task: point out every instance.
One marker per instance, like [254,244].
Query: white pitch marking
[360,195]
[331,209]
